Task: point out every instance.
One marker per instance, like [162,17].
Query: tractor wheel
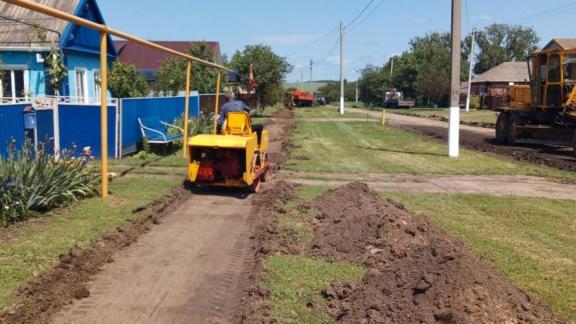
[574,145]
[266,176]
[256,185]
[501,128]
[511,130]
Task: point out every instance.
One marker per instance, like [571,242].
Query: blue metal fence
[45,129]
[80,126]
[11,126]
[166,109]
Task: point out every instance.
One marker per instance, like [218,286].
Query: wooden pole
[217,105]
[187,108]
[104,111]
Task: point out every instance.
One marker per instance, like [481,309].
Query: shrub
[31,181]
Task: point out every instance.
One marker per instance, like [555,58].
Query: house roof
[16,24]
[505,72]
[146,58]
[561,44]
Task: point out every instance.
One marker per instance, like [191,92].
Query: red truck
[298,98]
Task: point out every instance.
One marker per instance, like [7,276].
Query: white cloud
[335,59]
[286,39]
[413,20]
[483,17]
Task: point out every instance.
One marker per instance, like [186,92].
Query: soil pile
[417,273]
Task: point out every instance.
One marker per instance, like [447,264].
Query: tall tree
[125,82]
[269,70]
[373,83]
[171,77]
[501,43]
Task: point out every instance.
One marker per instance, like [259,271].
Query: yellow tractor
[545,111]
[236,158]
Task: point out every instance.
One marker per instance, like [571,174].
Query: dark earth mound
[417,272]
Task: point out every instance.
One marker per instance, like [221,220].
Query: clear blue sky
[289,25]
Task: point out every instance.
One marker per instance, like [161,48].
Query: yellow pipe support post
[187,108]
[104,111]
[217,105]
[383,117]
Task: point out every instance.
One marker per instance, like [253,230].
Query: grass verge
[27,250]
[327,112]
[473,116]
[296,281]
[368,147]
[531,241]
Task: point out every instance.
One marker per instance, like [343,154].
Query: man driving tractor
[234,105]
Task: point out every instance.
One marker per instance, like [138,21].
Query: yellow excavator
[545,111]
[236,158]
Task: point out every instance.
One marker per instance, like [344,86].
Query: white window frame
[83,84]
[97,87]
[11,71]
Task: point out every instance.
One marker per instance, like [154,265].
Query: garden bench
[156,131]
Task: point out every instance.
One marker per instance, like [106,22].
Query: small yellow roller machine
[235,158]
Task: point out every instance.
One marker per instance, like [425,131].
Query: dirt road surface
[481,139]
[487,185]
[186,270]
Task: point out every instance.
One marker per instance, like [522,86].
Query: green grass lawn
[327,112]
[531,241]
[297,280]
[369,147]
[37,244]
[473,116]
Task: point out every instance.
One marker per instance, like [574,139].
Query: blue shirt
[231,106]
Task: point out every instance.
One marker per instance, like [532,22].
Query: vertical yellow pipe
[216,109]
[187,108]
[104,111]
[383,117]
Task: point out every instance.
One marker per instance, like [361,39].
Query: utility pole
[341,68]
[470,59]
[301,79]
[392,65]
[454,123]
[311,72]
[356,91]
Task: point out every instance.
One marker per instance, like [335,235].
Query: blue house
[27,37]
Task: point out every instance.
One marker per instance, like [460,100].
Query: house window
[98,85]
[81,85]
[12,85]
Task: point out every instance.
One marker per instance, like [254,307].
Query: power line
[367,16]
[547,13]
[360,14]
[311,43]
[330,52]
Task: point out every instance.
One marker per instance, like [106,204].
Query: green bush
[202,125]
[32,182]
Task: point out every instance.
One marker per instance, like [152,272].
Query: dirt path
[481,139]
[187,270]
[487,185]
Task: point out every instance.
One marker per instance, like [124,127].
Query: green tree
[501,43]
[125,82]
[269,71]
[171,77]
[332,91]
[373,83]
